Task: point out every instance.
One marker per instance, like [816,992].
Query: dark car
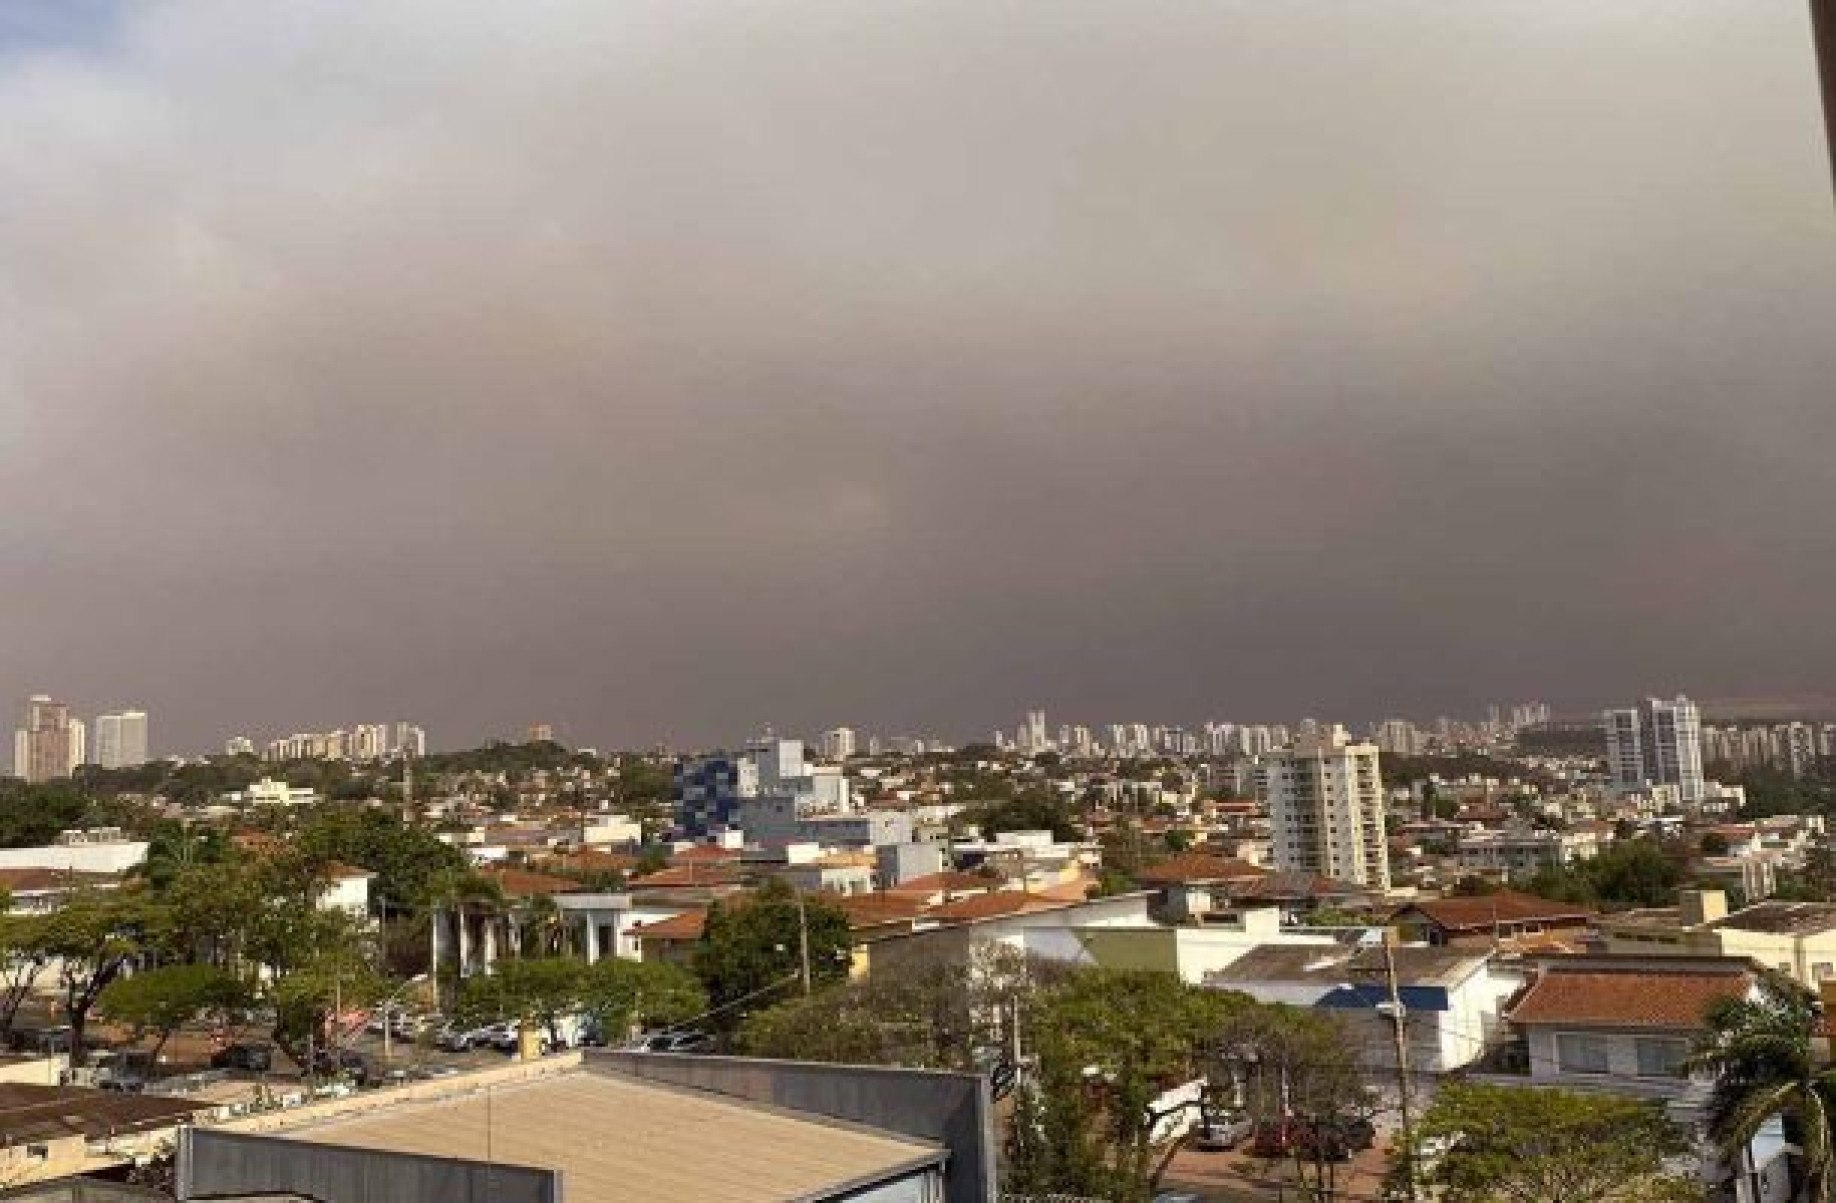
[1355,1134]
[257,1057]
[1285,1137]
[327,1062]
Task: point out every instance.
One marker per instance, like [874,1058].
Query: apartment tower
[1325,797]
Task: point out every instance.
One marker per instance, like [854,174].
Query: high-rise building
[1657,743]
[51,744]
[839,744]
[239,745]
[1325,798]
[121,739]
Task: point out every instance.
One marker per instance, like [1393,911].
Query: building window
[1661,1058]
[1580,1054]
[1823,970]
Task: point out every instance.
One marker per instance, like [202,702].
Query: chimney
[1702,906]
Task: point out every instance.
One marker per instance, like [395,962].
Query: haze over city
[662,371]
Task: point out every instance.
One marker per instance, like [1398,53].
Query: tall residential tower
[1658,743]
[1325,796]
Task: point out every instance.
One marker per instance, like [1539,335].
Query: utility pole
[1398,1017]
[803,941]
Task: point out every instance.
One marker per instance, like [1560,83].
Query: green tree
[933,1012]
[158,1002]
[22,961]
[1762,1053]
[1033,809]
[1108,1043]
[92,939]
[540,991]
[751,947]
[1505,1144]
[622,995]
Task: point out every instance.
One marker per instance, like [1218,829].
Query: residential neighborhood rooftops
[1630,997]
[1793,918]
[1195,868]
[1484,910]
[521,883]
[1329,963]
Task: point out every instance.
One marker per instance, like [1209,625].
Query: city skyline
[662,372]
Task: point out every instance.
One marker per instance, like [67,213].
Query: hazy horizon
[661,371]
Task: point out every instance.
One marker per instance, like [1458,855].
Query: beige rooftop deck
[618,1140]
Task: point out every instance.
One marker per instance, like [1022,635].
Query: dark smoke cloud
[663,370]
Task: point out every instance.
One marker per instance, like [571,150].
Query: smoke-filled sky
[665,369]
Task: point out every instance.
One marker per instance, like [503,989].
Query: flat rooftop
[616,1139]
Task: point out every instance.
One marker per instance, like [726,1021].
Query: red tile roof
[1626,998]
[686,926]
[704,854]
[1199,867]
[991,906]
[679,876]
[878,910]
[1477,912]
[947,882]
[521,883]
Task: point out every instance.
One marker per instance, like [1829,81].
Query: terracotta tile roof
[703,854]
[1199,867]
[1627,998]
[678,876]
[589,860]
[339,871]
[521,883]
[1483,910]
[991,906]
[686,926]
[948,882]
[877,910]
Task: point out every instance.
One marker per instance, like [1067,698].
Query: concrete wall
[951,1109]
[213,1164]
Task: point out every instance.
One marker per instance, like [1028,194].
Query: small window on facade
[1661,1058]
[1581,1054]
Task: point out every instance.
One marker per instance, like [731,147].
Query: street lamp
[388,1019]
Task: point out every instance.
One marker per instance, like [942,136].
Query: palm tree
[1761,1051]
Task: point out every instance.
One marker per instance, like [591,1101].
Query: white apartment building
[839,744]
[121,739]
[1325,799]
[1657,743]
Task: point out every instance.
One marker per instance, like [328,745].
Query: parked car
[1281,1138]
[126,1071]
[348,1062]
[257,1057]
[674,1042]
[1224,1131]
[457,1038]
[505,1036]
[1355,1134]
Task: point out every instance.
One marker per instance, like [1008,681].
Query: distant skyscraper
[1658,743]
[839,744]
[541,733]
[239,745]
[51,744]
[121,739]
[1325,796]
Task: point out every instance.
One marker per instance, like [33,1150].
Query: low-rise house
[1193,884]
[1623,1022]
[1795,938]
[1488,920]
[1451,997]
[41,891]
